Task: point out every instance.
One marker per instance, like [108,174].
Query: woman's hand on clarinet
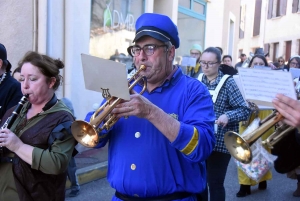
[9,140]
[289,109]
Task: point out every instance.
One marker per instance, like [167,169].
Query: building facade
[66,29]
[272,25]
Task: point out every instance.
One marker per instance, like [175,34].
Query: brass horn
[239,145]
[87,133]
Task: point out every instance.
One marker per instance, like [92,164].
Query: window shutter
[257,16]
[283,7]
[295,6]
[270,9]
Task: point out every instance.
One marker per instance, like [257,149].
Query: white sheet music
[238,83]
[262,67]
[103,73]
[261,86]
[295,72]
[188,61]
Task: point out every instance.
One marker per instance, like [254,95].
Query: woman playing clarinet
[38,144]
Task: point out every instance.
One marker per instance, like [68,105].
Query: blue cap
[157,26]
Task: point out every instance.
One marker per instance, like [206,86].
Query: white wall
[214,24]
[77,36]
[16,32]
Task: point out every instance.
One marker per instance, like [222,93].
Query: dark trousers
[216,168]
[72,175]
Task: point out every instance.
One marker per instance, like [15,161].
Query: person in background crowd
[16,73]
[75,187]
[244,181]
[230,108]
[294,62]
[39,144]
[243,57]
[281,63]
[258,60]
[115,56]
[10,89]
[195,52]
[260,51]
[169,126]
[227,59]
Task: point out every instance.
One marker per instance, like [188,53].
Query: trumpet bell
[238,147]
[85,133]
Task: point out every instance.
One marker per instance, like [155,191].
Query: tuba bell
[86,133]
[239,145]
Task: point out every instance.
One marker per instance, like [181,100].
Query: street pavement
[280,188]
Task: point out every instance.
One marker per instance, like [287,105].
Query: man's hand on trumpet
[137,106]
[289,108]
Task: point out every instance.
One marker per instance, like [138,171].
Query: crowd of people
[168,143]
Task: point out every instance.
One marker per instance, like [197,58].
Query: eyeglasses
[147,49]
[209,64]
[294,64]
[195,53]
[280,61]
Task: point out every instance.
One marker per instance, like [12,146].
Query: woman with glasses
[245,181]
[281,62]
[230,108]
[294,62]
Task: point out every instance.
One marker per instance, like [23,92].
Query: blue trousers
[216,167]
[72,175]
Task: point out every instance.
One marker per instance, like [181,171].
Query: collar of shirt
[215,83]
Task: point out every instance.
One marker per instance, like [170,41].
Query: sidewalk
[91,165]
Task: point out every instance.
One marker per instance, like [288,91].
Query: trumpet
[239,145]
[87,133]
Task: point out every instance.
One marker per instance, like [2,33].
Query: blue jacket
[143,162]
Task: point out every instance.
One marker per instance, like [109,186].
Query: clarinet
[9,122]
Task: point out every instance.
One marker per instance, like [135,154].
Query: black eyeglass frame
[155,47]
[208,64]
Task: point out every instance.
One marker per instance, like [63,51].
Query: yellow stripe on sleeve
[193,143]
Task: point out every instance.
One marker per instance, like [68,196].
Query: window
[113,25]
[242,21]
[276,8]
[267,48]
[257,16]
[296,6]
[288,47]
[275,51]
[191,13]
[196,5]
[185,3]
